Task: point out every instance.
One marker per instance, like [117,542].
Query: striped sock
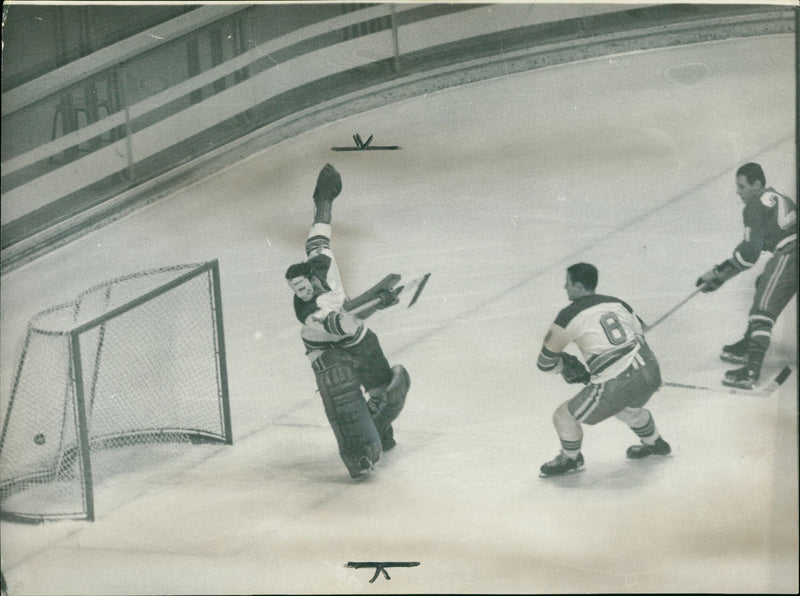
[648,432]
[571,448]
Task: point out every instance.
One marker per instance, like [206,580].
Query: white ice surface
[626,162]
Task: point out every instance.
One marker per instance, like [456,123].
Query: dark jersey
[769,225]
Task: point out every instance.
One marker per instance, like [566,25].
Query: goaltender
[344,353]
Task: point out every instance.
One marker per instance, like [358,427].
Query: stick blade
[782,376]
[766,390]
[420,287]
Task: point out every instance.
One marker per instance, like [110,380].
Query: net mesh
[139,358]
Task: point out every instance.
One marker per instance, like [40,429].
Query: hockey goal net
[133,362]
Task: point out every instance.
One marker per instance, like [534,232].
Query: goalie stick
[380,566]
[419,284]
[416,285]
[362,145]
[768,389]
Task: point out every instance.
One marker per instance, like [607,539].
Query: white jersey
[325,323]
[605,330]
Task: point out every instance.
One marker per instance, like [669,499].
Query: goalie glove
[715,277]
[573,370]
[329,184]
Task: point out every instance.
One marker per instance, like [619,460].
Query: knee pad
[400,384]
[386,403]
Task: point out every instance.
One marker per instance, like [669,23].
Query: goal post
[131,364]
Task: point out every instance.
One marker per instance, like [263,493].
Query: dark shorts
[371,366]
[777,284]
[632,388]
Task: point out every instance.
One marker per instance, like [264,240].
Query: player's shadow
[625,474]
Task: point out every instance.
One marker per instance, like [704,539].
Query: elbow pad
[745,256]
[341,324]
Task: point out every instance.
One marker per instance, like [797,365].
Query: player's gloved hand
[716,276]
[387,298]
[709,281]
[573,370]
[329,184]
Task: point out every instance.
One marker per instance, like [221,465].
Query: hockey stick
[380,567]
[768,389]
[362,145]
[416,284]
[420,283]
[672,310]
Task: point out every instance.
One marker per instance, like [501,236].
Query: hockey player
[770,224]
[623,372]
[345,355]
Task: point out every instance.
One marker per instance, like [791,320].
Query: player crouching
[344,353]
[622,374]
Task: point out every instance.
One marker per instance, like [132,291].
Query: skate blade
[363,475]
[563,474]
[746,387]
[733,359]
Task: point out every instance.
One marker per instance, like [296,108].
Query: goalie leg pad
[346,409]
[386,403]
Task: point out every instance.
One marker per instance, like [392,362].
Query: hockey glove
[329,184]
[573,369]
[388,297]
[715,277]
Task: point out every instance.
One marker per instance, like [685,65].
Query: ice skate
[743,378]
[661,447]
[387,439]
[562,464]
[363,467]
[736,353]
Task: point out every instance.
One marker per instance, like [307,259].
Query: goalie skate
[363,467]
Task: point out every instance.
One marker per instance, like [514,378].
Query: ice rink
[626,162]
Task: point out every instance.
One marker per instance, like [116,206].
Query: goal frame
[84,443]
